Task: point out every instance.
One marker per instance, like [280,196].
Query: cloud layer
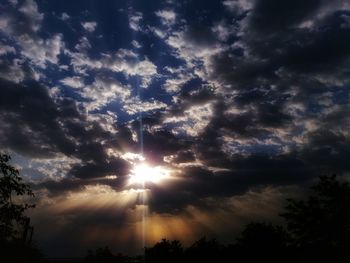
[242,101]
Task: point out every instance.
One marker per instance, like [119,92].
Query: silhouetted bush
[164,251]
[320,225]
[104,255]
[15,246]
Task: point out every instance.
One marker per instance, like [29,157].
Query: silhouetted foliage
[103,255]
[320,225]
[11,213]
[205,250]
[263,236]
[164,251]
[262,241]
[323,220]
[13,245]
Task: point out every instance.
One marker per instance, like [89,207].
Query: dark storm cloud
[325,152]
[246,173]
[101,169]
[271,16]
[29,120]
[57,188]
[323,49]
[187,99]
[162,143]
[36,126]
[328,150]
[200,35]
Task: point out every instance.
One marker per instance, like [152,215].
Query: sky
[139,120]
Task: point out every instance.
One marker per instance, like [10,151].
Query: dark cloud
[29,120]
[37,126]
[200,35]
[272,16]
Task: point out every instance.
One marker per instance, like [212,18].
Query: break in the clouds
[240,103]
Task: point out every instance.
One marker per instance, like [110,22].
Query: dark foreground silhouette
[317,229]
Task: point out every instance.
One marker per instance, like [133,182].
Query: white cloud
[136,44]
[168,17]
[134,21]
[106,121]
[4,49]
[13,72]
[158,32]
[30,9]
[238,6]
[64,16]
[38,50]
[197,58]
[135,105]
[83,44]
[41,51]
[54,168]
[74,82]
[144,68]
[124,61]
[13,2]
[194,119]
[89,26]
[103,91]
[223,30]
[81,62]
[173,85]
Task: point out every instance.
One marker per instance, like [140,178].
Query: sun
[143,173]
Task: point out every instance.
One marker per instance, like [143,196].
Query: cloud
[64,17]
[4,49]
[83,45]
[136,44]
[193,121]
[35,126]
[238,6]
[103,91]
[89,26]
[168,17]
[38,50]
[124,61]
[134,105]
[15,70]
[134,21]
[74,82]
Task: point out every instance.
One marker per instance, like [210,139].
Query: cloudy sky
[137,120]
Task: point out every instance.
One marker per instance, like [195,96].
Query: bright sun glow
[143,173]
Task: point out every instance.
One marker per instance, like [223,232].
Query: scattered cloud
[89,26]
[134,21]
[168,17]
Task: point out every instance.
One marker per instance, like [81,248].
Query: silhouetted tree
[320,225]
[103,255]
[205,250]
[11,213]
[323,220]
[13,246]
[263,236]
[164,251]
[262,241]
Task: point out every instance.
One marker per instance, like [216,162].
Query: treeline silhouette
[315,229]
